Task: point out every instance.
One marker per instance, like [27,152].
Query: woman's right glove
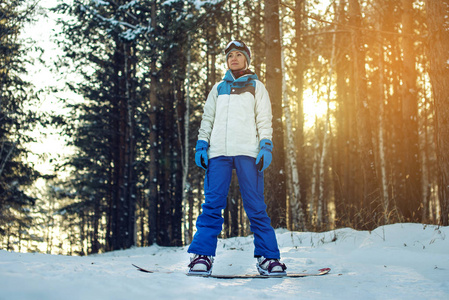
[201,154]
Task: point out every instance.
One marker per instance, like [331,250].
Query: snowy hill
[401,261]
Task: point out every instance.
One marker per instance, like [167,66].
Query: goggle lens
[236,45]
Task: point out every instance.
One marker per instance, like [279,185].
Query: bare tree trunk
[275,191]
[321,197]
[371,194]
[130,148]
[437,13]
[177,169]
[300,20]
[123,202]
[153,153]
[167,123]
[424,149]
[409,93]
[185,161]
[258,49]
[293,186]
[313,203]
[345,165]
[213,53]
[381,137]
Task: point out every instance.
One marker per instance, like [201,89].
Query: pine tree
[15,93]
[105,131]
[437,14]
[275,175]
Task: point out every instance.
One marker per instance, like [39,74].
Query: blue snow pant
[216,186]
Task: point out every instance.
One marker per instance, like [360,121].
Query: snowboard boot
[270,267]
[201,265]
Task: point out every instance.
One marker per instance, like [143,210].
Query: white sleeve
[263,112]
[207,121]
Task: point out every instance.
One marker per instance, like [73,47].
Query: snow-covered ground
[401,261]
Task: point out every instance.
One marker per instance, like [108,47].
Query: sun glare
[313,108]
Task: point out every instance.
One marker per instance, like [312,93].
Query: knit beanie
[240,46]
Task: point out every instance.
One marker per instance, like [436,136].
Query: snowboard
[320,272]
[149,271]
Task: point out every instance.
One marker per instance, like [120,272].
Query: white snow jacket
[237,115]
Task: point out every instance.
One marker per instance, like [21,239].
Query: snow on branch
[197,3]
[131,31]
[100,3]
[128,5]
[132,34]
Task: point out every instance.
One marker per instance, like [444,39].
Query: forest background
[359,92]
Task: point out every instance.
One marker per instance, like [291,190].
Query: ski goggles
[237,45]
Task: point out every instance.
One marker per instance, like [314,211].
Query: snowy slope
[401,261]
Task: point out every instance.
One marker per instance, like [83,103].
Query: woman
[235,133]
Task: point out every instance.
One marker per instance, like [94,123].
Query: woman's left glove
[264,157]
[201,154]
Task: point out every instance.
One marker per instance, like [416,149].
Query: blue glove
[201,154]
[264,158]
